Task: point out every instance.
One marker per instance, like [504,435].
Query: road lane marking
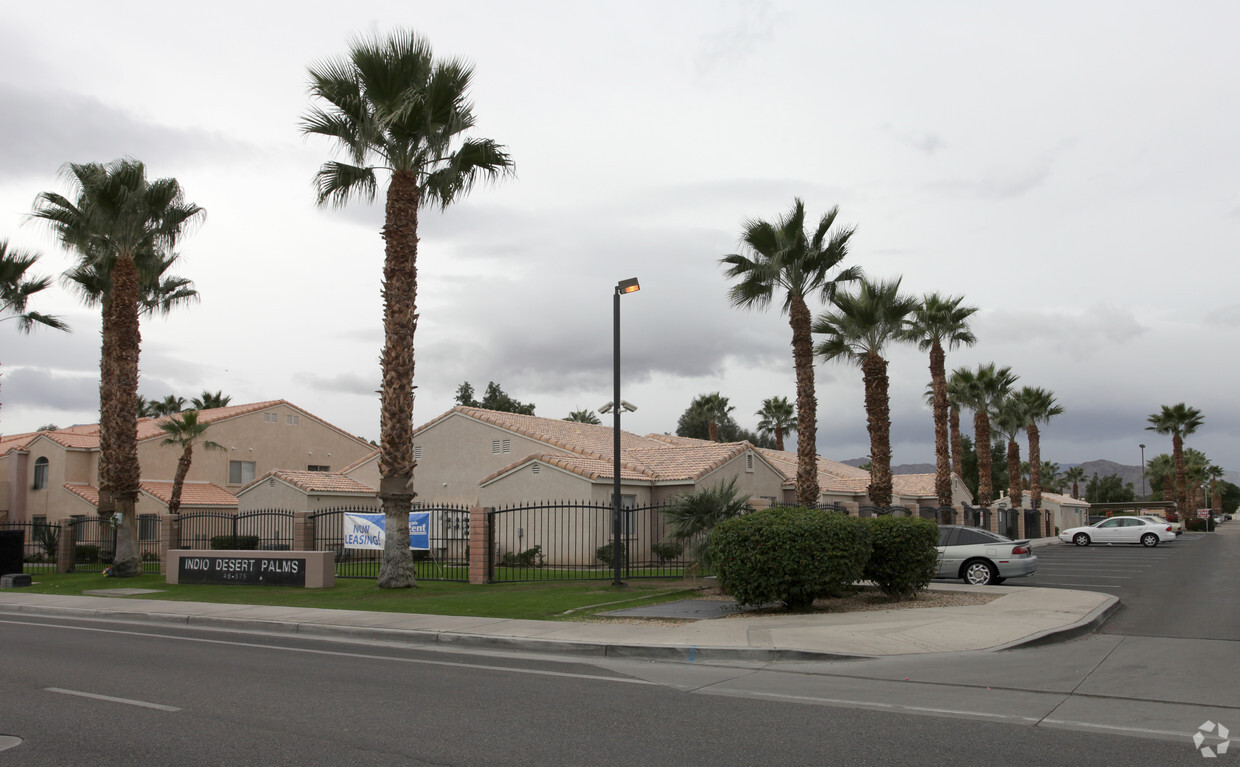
[360,656]
[110,699]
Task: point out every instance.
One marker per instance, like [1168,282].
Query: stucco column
[65,548]
[169,538]
[480,545]
[992,518]
[303,531]
[758,504]
[851,508]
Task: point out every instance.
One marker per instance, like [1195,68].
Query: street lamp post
[624,286]
[1143,472]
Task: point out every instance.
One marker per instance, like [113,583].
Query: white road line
[110,699]
[1090,585]
[360,656]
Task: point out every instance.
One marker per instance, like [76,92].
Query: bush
[789,555]
[528,558]
[1200,525]
[904,554]
[603,554]
[85,555]
[667,550]
[234,542]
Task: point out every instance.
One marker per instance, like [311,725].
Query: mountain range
[1101,467]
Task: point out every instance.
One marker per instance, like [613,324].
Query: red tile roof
[196,494]
[326,482]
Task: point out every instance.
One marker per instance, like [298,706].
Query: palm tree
[1158,468]
[1179,421]
[583,416]
[955,401]
[390,106]
[16,288]
[715,408]
[936,322]
[1074,475]
[1040,407]
[692,516]
[782,258]
[981,391]
[1052,480]
[211,400]
[778,416]
[859,330]
[169,405]
[1008,419]
[117,219]
[184,431]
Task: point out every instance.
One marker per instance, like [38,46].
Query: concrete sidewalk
[1021,616]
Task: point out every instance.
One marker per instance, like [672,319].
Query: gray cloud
[998,184]
[52,128]
[736,39]
[347,383]
[1077,335]
[25,387]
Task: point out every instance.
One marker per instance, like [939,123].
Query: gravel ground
[866,599]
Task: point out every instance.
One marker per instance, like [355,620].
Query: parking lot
[1111,568]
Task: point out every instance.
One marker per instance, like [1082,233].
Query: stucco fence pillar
[758,504]
[169,538]
[851,508]
[480,545]
[303,531]
[65,549]
[992,518]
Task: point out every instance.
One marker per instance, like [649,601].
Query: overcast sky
[1071,169]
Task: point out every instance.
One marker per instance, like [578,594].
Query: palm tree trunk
[953,423]
[1035,466]
[779,438]
[178,481]
[878,420]
[712,430]
[1181,477]
[120,420]
[400,320]
[1013,466]
[985,479]
[942,456]
[107,395]
[807,402]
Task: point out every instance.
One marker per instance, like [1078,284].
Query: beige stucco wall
[456,454]
[368,474]
[248,437]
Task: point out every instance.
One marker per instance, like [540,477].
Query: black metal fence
[573,541]
[264,530]
[447,559]
[40,542]
[94,543]
[882,511]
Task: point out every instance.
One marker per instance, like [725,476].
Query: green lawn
[556,600]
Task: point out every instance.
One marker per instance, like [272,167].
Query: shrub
[150,556]
[692,516]
[789,555]
[603,554]
[234,542]
[1200,525]
[85,555]
[904,554]
[528,558]
[667,550]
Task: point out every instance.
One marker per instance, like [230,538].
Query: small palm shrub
[666,551]
[904,554]
[693,516]
[789,555]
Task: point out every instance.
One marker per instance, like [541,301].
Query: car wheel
[1081,539]
[980,573]
[1149,540]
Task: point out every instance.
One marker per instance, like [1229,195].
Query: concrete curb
[1087,625]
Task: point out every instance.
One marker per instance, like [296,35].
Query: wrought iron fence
[94,544]
[573,541]
[263,530]
[943,515]
[1009,523]
[40,542]
[1033,523]
[883,511]
[447,559]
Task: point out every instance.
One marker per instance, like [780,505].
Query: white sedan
[1146,532]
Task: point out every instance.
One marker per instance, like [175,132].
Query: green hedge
[789,555]
[904,554]
[1200,525]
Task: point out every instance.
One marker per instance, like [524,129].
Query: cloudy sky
[1068,168]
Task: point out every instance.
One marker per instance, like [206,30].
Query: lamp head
[627,286]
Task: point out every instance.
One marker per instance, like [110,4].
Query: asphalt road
[85,693]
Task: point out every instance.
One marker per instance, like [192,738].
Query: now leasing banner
[366,531]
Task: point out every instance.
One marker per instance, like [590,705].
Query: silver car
[980,557]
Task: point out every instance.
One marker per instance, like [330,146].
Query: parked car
[1142,530]
[1176,527]
[980,557]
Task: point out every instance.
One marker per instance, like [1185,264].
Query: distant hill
[904,468]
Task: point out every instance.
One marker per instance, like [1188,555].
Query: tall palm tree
[583,416]
[118,218]
[1158,468]
[169,405]
[955,400]
[390,106]
[859,330]
[981,391]
[940,321]
[211,400]
[778,417]
[16,288]
[715,408]
[1009,418]
[1040,407]
[1179,421]
[783,259]
[1052,479]
[184,431]
[1074,475]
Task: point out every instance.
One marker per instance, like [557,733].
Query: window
[318,467]
[240,472]
[271,417]
[39,520]
[292,420]
[148,527]
[40,473]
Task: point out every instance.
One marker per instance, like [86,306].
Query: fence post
[65,548]
[480,545]
[851,508]
[303,531]
[169,538]
[992,518]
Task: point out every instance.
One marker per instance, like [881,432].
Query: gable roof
[585,439]
[198,494]
[314,482]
